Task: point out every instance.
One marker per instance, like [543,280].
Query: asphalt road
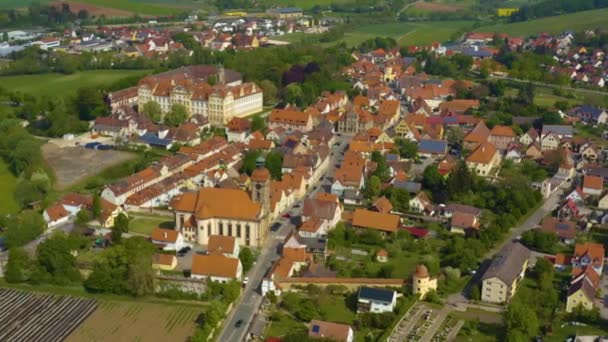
[530,223]
[251,298]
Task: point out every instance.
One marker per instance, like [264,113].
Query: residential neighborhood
[296,172]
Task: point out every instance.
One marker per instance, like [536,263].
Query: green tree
[293,94]
[177,115]
[55,257]
[23,228]
[455,135]
[270,92]
[152,110]
[521,317]
[382,170]
[116,235]
[400,199]
[122,223]
[96,206]
[249,161]
[89,103]
[407,149]
[18,266]
[247,259]
[274,164]
[372,187]
[258,124]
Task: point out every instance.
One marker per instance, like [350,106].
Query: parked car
[104,147]
[92,145]
[238,323]
[286,215]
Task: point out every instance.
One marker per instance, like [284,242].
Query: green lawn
[283,325]
[58,84]
[8,182]
[148,7]
[404,33]
[573,21]
[146,224]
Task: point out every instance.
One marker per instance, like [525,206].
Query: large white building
[192,87]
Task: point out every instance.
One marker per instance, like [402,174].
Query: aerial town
[392,171]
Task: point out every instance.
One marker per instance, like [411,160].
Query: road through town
[245,309]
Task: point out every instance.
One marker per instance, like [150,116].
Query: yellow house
[580,293]
[164,262]
[504,274]
[483,159]
[384,138]
[422,283]
[405,131]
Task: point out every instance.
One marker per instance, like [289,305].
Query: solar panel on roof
[315,328]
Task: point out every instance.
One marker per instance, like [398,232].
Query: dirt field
[73,164]
[93,10]
[435,7]
[124,321]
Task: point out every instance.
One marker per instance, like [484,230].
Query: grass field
[147,7]
[403,33]
[58,84]
[573,21]
[8,182]
[145,224]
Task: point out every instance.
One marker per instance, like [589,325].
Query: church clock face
[258,186]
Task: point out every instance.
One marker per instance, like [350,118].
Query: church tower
[260,185]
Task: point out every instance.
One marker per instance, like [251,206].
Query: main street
[251,298]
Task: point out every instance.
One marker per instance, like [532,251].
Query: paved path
[430,332]
[455,330]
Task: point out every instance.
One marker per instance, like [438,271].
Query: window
[208,229]
[230,229]
[221,227]
[238,230]
[247,231]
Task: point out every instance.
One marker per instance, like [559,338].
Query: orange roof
[483,154]
[383,205]
[375,220]
[164,235]
[311,226]
[382,252]
[164,259]
[221,244]
[594,250]
[478,134]
[502,131]
[328,331]
[458,105]
[217,202]
[289,116]
[215,266]
[260,174]
[324,196]
[388,108]
[593,182]
[57,212]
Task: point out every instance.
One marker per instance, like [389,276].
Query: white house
[376,300]
[168,239]
[216,268]
[55,215]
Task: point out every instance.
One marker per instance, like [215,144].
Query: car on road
[238,323]
[182,252]
[245,281]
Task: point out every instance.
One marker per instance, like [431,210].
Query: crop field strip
[28,316]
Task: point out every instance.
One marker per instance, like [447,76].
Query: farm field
[573,21]
[8,182]
[27,316]
[137,321]
[144,224]
[73,164]
[58,84]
